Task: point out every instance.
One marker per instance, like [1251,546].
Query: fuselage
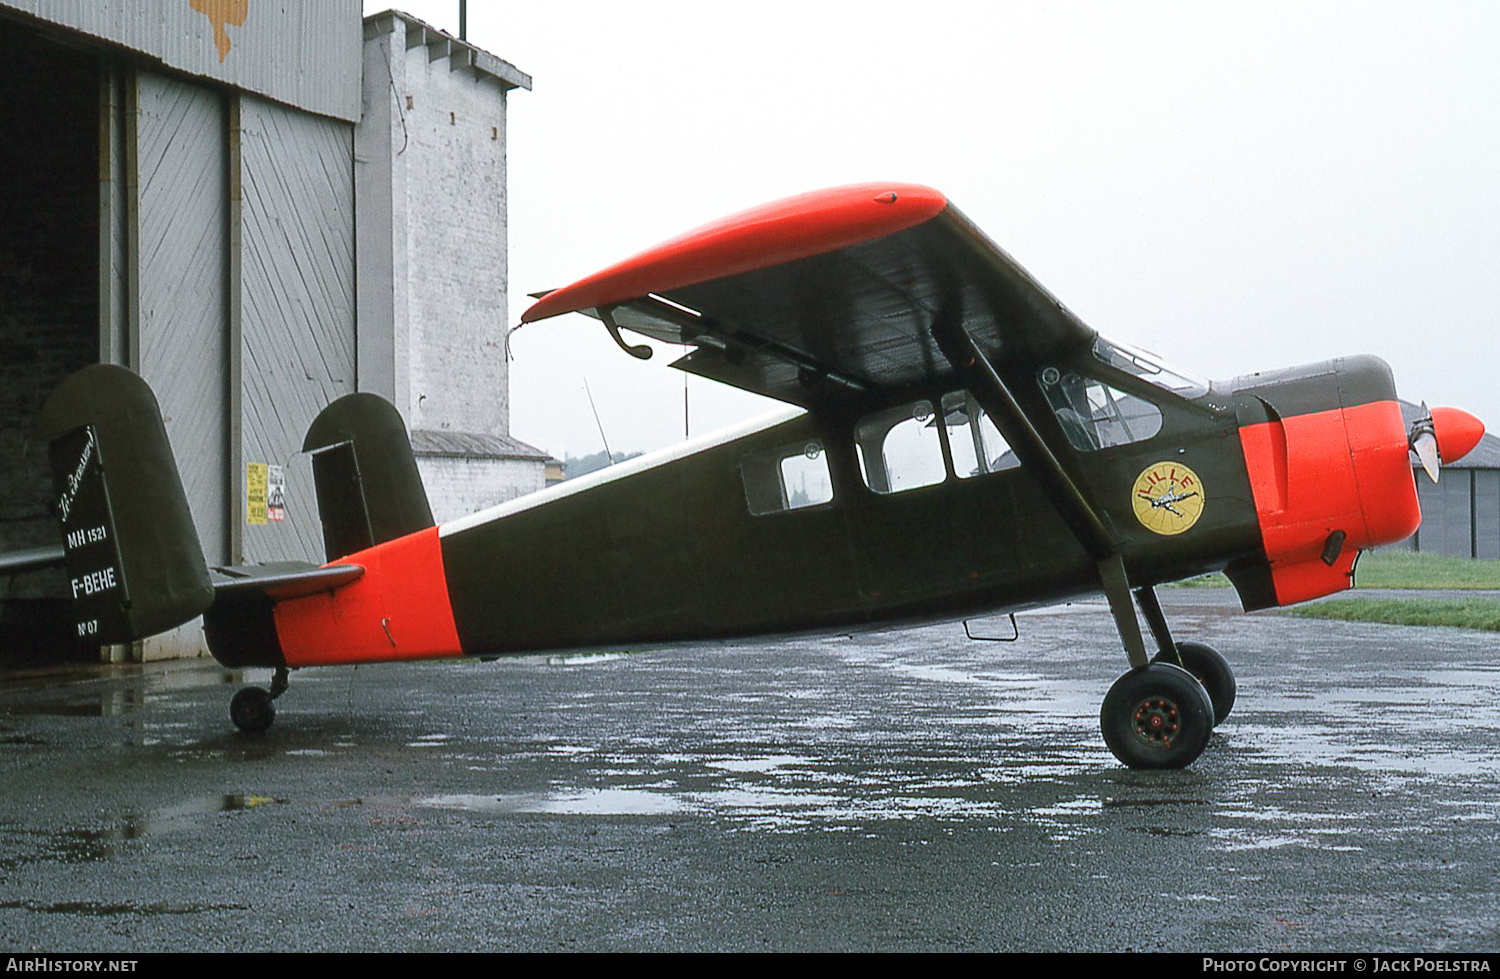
[901,509]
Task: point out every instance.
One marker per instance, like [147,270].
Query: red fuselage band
[399,610]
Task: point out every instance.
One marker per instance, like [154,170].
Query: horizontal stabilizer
[241,625]
[134,562]
[30,559]
[282,582]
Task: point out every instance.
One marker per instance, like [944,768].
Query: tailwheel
[1157,716]
[1211,669]
[252,710]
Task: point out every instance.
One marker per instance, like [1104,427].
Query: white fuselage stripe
[611,473]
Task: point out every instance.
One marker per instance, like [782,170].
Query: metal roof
[425,442]
[461,55]
[305,55]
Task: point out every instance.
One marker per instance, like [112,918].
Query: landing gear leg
[251,708]
[1211,669]
[1203,662]
[1158,715]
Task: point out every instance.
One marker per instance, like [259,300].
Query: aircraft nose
[1443,435]
[1326,449]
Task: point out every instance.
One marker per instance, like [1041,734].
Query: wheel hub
[1156,722]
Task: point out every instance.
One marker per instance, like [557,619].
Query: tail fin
[135,565]
[369,489]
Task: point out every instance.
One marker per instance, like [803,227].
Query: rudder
[135,565]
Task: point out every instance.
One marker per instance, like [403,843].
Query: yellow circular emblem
[1167,498]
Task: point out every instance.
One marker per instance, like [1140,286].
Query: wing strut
[1072,505]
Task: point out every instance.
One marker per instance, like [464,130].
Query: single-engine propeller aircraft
[957,443]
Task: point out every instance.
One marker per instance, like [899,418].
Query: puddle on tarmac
[779,809]
[767,764]
[430,741]
[1341,743]
[75,846]
[595,802]
[584,659]
[827,722]
[1111,802]
[108,704]
[96,909]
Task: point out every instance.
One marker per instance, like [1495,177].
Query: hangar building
[260,207]
[1461,512]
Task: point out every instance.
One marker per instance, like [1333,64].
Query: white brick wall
[455,196]
[458,486]
[432,264]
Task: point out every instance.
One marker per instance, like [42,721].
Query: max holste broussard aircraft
[959,444]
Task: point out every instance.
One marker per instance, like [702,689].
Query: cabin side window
[899,448]
[1095,415]
[976,444]
[788,477]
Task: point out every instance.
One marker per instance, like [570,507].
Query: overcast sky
[1235,186]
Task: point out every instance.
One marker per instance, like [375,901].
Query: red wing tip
[761,237]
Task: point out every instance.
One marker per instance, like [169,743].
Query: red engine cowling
[1329,460]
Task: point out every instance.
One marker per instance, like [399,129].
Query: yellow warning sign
[255,493]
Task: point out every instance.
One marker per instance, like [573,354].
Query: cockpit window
[976,444]
[1148,367]
[1095,415]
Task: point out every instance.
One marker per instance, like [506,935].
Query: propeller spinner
[1443,435]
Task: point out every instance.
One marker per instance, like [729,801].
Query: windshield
[1148,367]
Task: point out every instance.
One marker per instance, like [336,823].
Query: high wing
[839,290]
[856,293]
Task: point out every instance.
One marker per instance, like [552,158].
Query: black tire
[251,710]
[1158,716]
[1211,669]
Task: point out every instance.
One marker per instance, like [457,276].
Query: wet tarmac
[908,790]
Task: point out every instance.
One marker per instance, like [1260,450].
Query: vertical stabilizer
[135,565]
[369,489]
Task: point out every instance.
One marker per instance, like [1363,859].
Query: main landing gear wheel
[1211,669]
[1157,716]
[251,709]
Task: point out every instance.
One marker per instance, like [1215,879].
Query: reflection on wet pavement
[1350,746]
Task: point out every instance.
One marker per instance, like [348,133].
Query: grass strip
[1401,569]
[1411,569]
[1462,613]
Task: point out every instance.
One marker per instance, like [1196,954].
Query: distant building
[260,207]
[464,472]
